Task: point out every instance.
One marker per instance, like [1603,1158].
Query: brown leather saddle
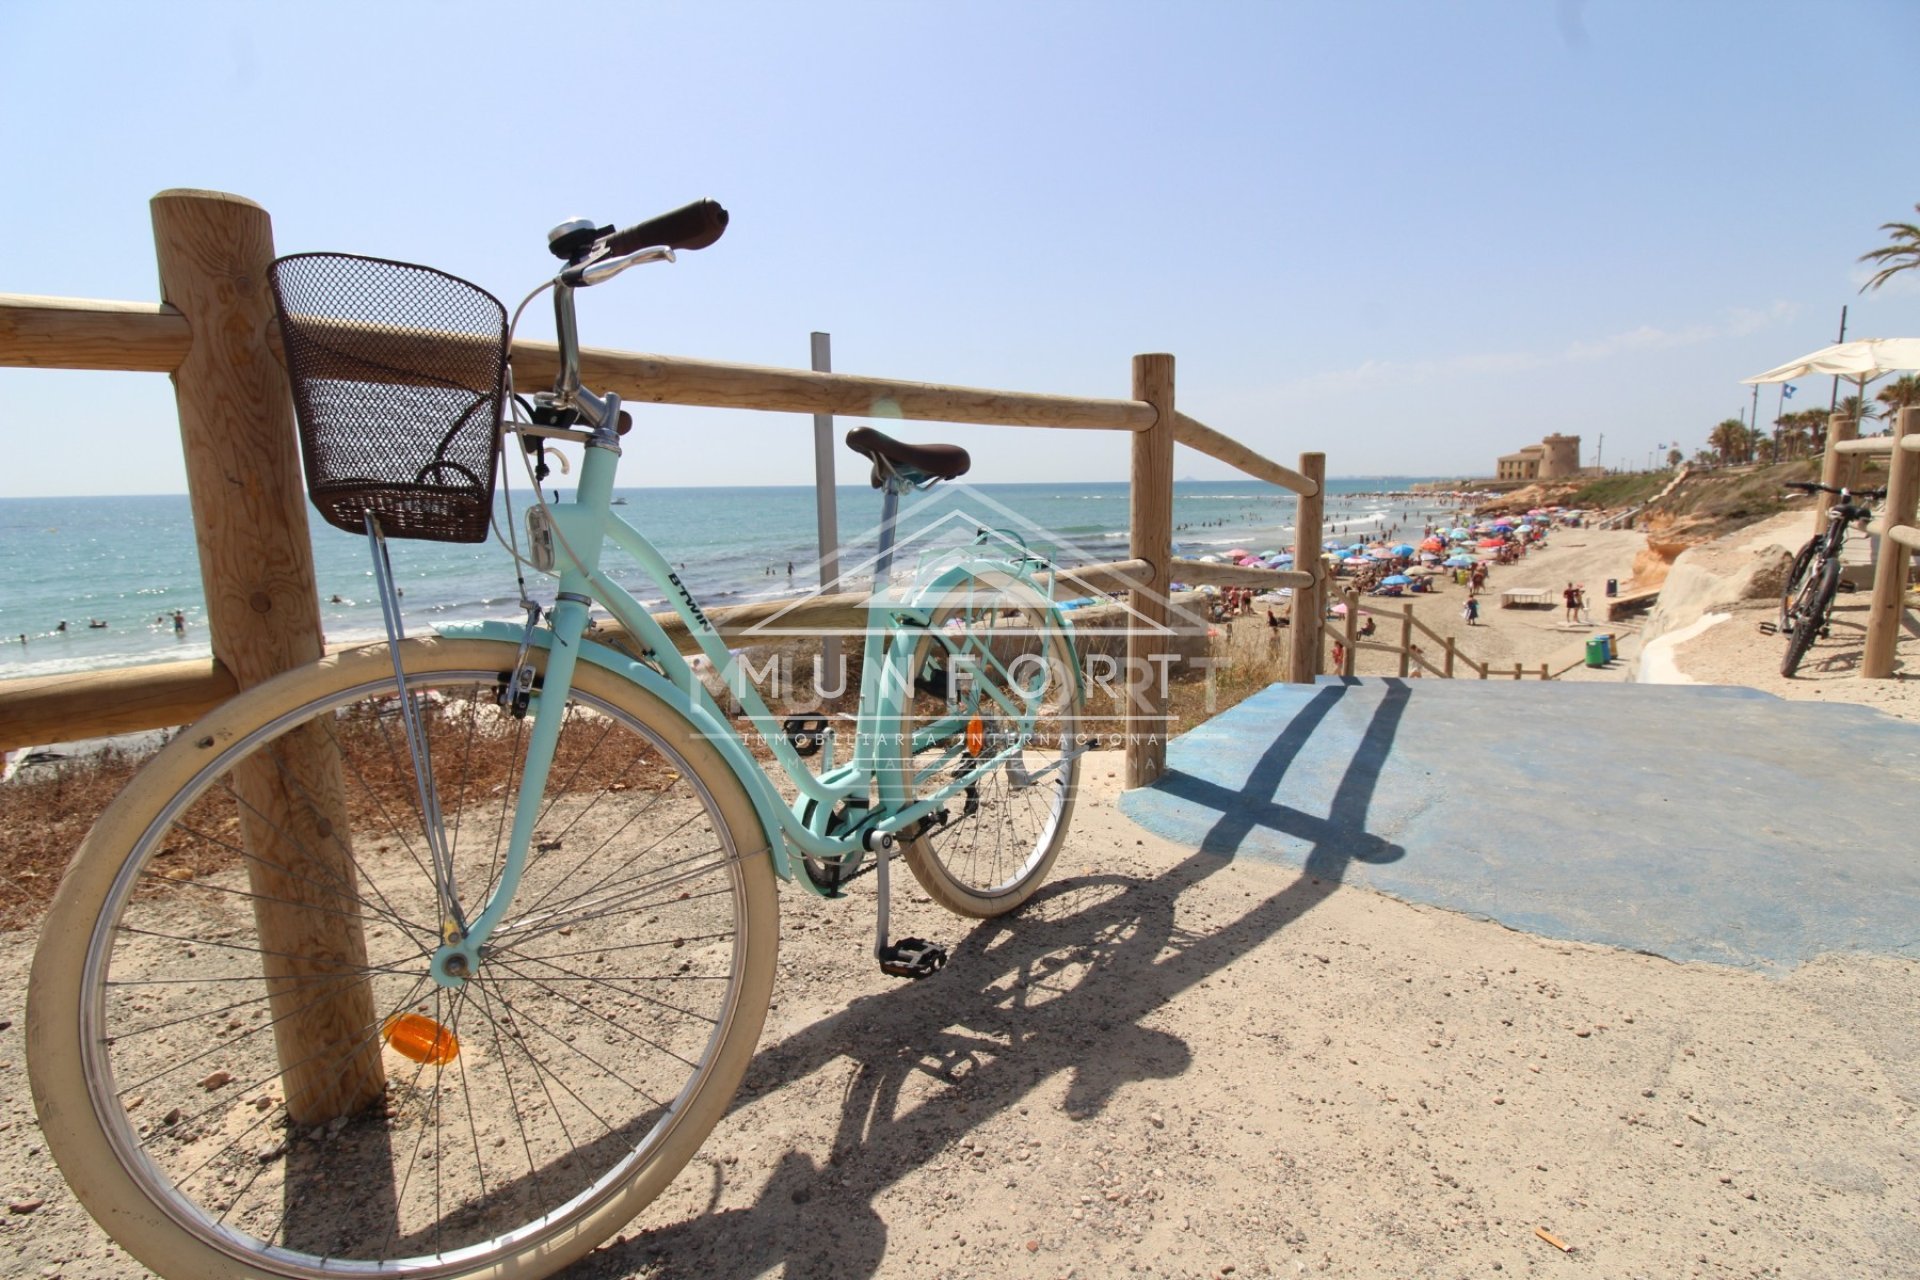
[916,462]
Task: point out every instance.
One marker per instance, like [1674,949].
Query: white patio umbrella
[1862,360]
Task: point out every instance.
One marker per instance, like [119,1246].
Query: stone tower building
[1560,457]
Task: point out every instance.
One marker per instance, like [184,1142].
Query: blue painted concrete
[1694,822]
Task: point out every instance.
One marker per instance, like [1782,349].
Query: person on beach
[1366,626]
[1572,597]
[61,628]
[1472,612]
[1580,602]
[1339,658]
[179,623]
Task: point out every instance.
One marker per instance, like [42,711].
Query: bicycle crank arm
[909,957]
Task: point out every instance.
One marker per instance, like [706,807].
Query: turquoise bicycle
[442,957]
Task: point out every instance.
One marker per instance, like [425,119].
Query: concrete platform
[1693,822]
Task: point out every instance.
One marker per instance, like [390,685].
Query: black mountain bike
[1806,602]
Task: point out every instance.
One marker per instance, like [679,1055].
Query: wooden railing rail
[1410,625]
[1873,445]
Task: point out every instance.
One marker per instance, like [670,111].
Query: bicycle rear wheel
[1809,614]
[993,676]
[501,1127]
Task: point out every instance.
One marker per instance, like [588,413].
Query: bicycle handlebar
[691,226]
[1814,487]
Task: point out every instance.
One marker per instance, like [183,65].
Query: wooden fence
[1450,661]
[1897,528]
[214,333]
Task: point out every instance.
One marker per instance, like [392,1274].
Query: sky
[1411,235]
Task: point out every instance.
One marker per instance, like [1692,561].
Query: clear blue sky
[1412,235]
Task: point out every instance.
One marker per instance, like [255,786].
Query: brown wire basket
[399,375]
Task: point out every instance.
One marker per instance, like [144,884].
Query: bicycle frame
[584,527]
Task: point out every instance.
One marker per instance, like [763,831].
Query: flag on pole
[1786,391]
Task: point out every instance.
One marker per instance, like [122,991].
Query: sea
[130,562]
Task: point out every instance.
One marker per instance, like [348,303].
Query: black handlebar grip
[693,226]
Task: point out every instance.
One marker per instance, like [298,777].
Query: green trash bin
[1597,652]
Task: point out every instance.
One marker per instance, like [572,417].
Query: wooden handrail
[1874,445]
[1236,575]
[73,333]
[1197,435]
[80,333]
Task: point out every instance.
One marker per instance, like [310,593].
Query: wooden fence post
[1309,603]
[1834,466]
[1150,510]
[1890,571]
[1449,659]
[1406,639]
[263,615]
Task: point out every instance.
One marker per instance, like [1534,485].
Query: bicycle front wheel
[1797,575]
[1809,613]
[993,678]
[240,1058]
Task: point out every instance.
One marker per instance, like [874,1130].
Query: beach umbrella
[1430,557]
[1493,542]
[1356,560]
[1338,611]
[1457,533]
[1239,551]
[1863,360]
[1209,559]
[1404,549]
[1395,580]
[1459,562]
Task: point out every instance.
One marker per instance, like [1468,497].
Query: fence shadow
[1066,985]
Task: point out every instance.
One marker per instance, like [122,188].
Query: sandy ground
[1733,650]
[1189,1066]
[1177,1064]
[1529,635]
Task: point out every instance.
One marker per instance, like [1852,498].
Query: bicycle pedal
[912,958]
[805,733]
[1769,628]
[1846,586]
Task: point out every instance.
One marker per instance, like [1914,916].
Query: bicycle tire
[1797,574]
[1809,615]
[990,856]
[585,1060]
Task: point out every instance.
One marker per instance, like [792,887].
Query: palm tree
[1859,410]
[1813,423]
[1902,254]
[1901,393]
[1675,457]
[1730,440]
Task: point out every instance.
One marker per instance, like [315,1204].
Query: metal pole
[1833,405]
[825,510]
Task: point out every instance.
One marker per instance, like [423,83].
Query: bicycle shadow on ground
[1067,984]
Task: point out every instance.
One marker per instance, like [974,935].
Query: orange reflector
[976,736]
[416,1036]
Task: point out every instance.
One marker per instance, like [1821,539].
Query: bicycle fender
[1056,616]
[767,804]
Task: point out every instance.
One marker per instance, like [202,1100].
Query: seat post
[890,492]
